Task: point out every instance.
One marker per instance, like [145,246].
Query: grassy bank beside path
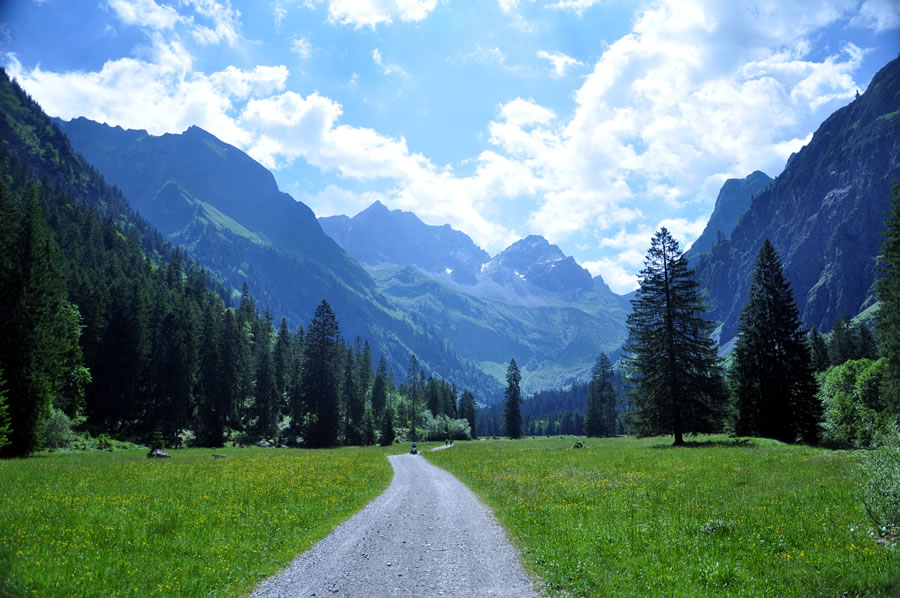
[118,524]
[628,517]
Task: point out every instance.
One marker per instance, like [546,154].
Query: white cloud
[225,20]
[576,6]
[560,62]
[508,6]
[301,47]
[387,69]
[488,57]
[878,15]
[146,13]
[369,13]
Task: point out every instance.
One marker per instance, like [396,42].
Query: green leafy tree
[888,316]
[772,376]
[319,387]
[673,364]
[513,400]
[600,411]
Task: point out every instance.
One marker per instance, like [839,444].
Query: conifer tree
[843,345]
[888,316]
[387,426]
[210,398]
[819,350]
[379,388]
[319,387]
[673,365]
[467,411]
[4,414]
[866,345]
[352,414]
[600,411]
[368,426]
[773,373]
[513,401]
[281,358]
[413,387]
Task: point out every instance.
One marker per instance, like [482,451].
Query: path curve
[426,535]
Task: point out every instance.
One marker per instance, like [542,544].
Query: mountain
[534,260]
[227,210]
[732,202]
[530,302]
[378,235]
[824,214]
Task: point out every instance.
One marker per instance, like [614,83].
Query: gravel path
[426,535]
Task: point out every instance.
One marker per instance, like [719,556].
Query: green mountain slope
[227,210]
[824,214]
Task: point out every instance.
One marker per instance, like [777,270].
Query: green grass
[637,517]
[116,523]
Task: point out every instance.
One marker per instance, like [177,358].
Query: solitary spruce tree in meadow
[888,316]
[513,401]
[673,366]
[772,375]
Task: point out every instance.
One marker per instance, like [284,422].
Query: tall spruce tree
[772,375]
[844,344]
[379,388]
[467,411]
[819,350]
[413,387]
[888,316]
[319,386]
[513,401]
[600,411]
[673,365]
[4,414]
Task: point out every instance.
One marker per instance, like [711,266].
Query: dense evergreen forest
[107,330]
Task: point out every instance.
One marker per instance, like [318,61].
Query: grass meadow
[628,517]
[105,523]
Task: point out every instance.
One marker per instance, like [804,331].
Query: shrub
[104,442]
[879,486]
[854,415]
[58,432]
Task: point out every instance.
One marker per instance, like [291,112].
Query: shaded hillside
[227,210]
[732,202]
[824,214]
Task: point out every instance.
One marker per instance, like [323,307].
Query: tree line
[96,335]
[782,382]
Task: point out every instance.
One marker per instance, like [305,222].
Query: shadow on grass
[732,443]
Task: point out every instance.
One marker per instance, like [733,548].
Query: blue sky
[590,122]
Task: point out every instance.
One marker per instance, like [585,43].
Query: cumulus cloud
[878,15]
[559,61]
[369,13]
[146,13]
[301,47]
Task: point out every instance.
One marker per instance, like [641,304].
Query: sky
[590,122]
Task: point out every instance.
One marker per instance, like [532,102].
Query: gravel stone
[426,535]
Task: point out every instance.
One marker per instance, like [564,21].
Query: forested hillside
[227,210]
[108,328]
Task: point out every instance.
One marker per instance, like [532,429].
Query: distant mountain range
[414,288]
[530,302]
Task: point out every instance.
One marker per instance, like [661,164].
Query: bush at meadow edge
[637,517]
